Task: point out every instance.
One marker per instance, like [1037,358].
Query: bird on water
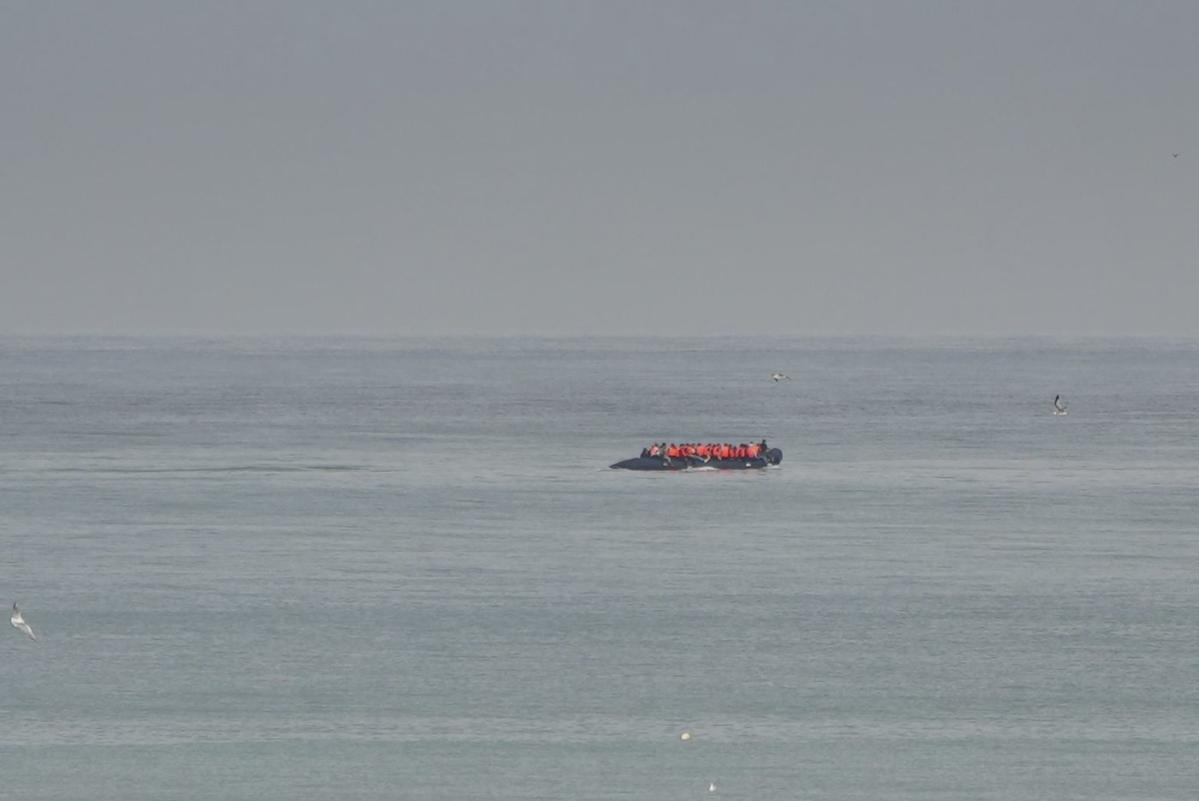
[19,623]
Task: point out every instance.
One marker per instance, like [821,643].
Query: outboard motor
[774,456]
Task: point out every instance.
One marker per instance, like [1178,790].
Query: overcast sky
[607,167]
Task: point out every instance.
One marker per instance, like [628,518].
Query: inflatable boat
[771,457]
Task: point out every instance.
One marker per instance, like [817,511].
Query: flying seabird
[19,623]
[779,377]
[1059,408]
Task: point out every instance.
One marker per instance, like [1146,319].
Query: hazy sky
[603,167]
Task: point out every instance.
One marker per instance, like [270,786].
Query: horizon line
[480,335]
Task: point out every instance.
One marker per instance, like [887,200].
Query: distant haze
[606,167]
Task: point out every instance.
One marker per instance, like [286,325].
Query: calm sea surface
[370,568]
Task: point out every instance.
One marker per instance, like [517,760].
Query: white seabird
[779,377]
[711,787]
[1059,408]
[19,623]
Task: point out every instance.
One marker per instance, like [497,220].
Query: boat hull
[773,456]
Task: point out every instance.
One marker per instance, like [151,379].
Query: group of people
[706,450]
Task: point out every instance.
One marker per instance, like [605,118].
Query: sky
[587,168]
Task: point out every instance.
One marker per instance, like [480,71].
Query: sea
[401,568]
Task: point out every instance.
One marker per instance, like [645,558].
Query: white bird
[711,787]
[779,377]
[19,623]
[1059,408]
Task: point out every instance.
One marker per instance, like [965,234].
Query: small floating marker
[685,736]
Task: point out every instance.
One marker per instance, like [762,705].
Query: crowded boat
[714,455]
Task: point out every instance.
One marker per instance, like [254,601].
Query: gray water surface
[370,568]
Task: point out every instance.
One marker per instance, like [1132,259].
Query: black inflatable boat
[773,456]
